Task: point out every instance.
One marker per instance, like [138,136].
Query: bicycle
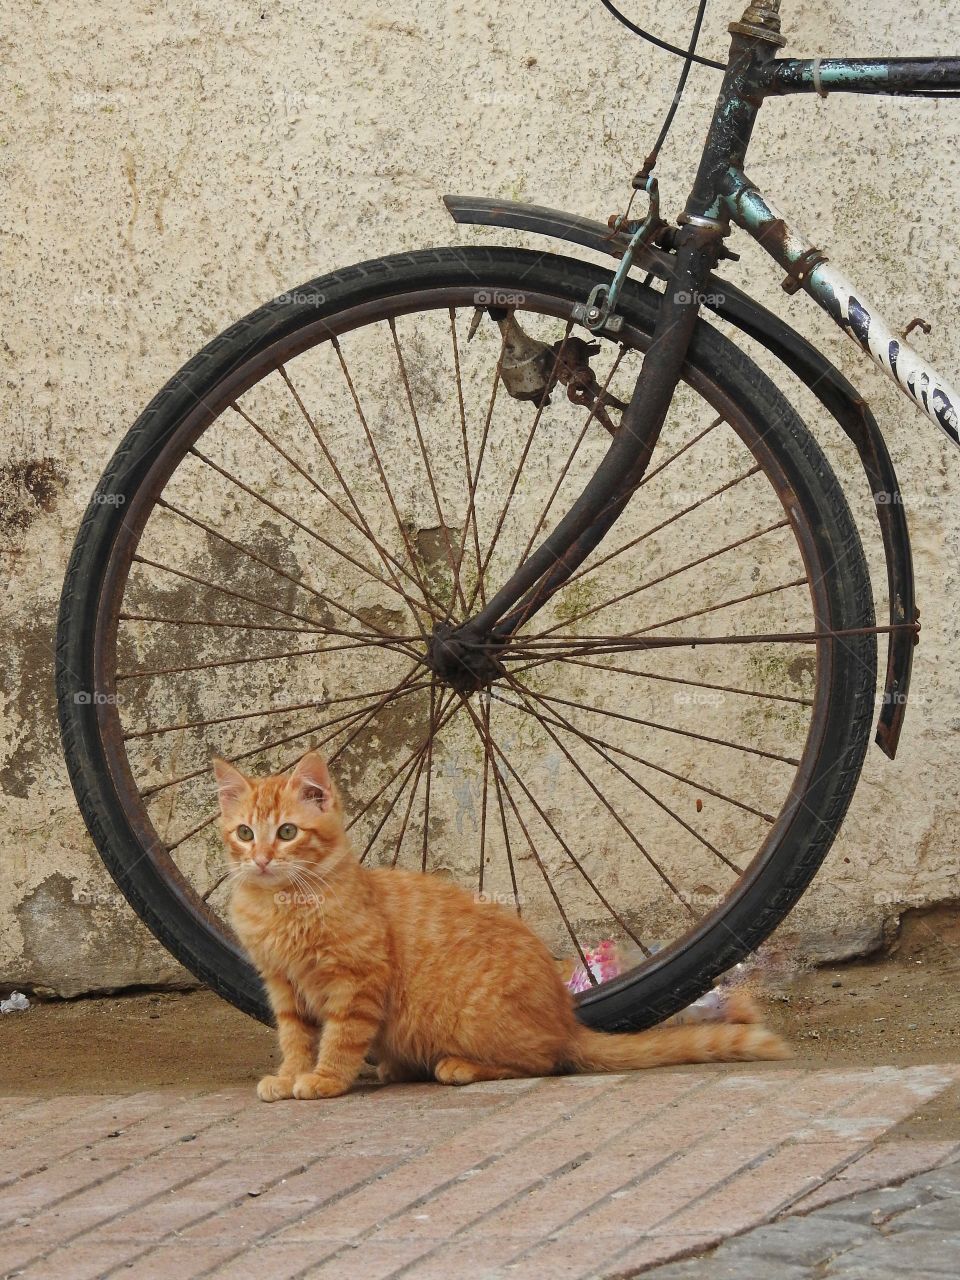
[381,515]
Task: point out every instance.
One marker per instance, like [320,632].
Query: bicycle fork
[466,655]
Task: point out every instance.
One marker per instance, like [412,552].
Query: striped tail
[670,1046]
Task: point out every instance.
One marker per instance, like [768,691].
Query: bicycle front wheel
[661,757]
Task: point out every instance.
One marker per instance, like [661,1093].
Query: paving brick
[46,1115]
[94,1165]
[890,1162]
[552,1102]
[82,1129]
[371,1259]
[938,1215]
[767,1188]
[889,1095]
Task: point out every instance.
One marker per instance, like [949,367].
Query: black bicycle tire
[672,981]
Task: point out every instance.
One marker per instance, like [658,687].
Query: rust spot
[28,489]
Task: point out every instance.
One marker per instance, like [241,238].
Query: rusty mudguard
[826,382]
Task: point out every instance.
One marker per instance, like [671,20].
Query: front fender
[827,383]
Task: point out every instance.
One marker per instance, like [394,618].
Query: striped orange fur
[406,968]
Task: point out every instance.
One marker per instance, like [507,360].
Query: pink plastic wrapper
[603,962]
[719,1005]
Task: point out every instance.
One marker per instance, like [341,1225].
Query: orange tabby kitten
[406,967]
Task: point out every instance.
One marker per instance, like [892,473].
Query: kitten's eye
[287,831]
[244,833]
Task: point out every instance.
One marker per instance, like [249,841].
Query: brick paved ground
[576,1177]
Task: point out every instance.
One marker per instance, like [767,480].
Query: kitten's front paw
[273,1088]
[318,1084]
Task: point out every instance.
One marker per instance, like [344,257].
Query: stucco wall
[168,167]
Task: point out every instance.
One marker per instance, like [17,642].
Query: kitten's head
[276,827]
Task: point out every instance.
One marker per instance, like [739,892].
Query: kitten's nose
[262,860]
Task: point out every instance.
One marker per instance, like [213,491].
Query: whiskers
[295,882]
[312,886]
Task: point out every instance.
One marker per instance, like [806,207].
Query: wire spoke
[357,521]
[399,690]
[205,897]
[471,516]
[636,640]
[361,712]
[667,728]
[264,657]
[265,711]
[631,835]
[528,444]
[331,546]
[697,684]
[406,817]
[697,784]
[665,577]
[544,817]
[429,765]
[488,760]
[282,573]
[634,542]
[401,527]
[415,766]
[724,604]
[566,724]
[445,714]
[385,642]
[471,520]
[431,481]
[502,785]
[217,622]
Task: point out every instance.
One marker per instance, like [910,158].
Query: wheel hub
[466,665]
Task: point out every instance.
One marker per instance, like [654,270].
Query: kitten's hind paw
[274,1088]
[318,1084]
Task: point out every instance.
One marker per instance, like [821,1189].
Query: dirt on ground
[900,1009]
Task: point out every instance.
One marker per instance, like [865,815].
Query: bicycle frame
[722,194]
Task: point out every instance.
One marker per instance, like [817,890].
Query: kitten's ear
[311,781]
[232,785]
